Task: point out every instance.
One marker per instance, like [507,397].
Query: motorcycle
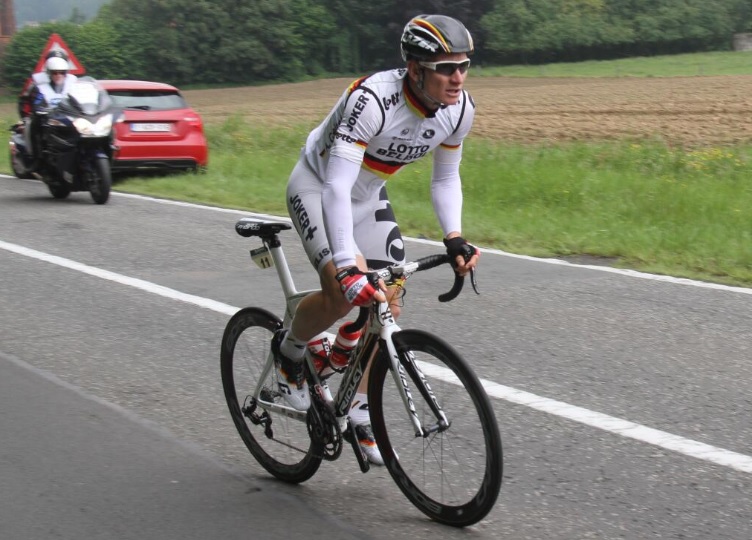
[75,144]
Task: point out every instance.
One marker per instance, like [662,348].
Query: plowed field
[691,111]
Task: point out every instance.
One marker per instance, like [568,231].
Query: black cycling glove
[459,246]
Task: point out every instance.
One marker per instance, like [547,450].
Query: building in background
[7,23]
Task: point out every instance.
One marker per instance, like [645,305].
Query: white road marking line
[624,428]
[123,280]
[612,424]
[620,271]
[608,269]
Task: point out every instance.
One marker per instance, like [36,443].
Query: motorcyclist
[47,89]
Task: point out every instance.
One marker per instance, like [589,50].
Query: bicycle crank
[323,429]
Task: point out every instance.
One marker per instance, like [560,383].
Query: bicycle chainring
[323,429]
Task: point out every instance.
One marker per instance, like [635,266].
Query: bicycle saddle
[248,227]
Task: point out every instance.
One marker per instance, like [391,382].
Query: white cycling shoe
[290,377]
[367,443]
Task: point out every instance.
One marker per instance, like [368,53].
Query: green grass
[642,205]
[679,65]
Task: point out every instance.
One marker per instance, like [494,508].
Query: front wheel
[100,181]
[59,189]
[271,430]
[452,473]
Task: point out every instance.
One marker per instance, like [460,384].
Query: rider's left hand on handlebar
[465,255]
[360,289]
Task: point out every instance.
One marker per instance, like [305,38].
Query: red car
[158,130]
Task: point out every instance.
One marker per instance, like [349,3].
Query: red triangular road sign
[55,42]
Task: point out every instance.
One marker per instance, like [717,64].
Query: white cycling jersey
[376,127]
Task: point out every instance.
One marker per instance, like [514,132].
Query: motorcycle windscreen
[86,97]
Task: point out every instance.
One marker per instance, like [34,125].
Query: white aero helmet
[56,64]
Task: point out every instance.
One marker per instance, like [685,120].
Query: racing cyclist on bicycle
[336,194]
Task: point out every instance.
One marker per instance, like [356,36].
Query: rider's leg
[394,295]
[315,313]
[28,135]
[380,240]
[318,311]
[35,140]
[378,236]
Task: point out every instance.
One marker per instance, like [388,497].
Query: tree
[97,46]
[24,50]
[149,36]
[247,41]
[546,30]
[221,41]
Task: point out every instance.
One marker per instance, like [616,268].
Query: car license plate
[150,127]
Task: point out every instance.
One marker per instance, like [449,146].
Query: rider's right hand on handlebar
[357,288]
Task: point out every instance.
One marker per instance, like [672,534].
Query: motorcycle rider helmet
[56,64]
[425,36]
[57,53]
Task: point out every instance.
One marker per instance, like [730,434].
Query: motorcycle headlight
[100,128]
[83,126]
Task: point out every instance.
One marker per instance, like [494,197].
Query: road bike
[432,420]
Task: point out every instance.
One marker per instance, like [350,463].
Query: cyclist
[337,198]
[48,88]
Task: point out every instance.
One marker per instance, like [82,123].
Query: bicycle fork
[403,372]
[406,370]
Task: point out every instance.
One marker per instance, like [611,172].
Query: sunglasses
[447,67]
[58,72]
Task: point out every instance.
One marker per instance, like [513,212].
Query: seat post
[280,263]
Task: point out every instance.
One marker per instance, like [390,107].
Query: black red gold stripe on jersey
[382,169]
[415,104]
[356,83]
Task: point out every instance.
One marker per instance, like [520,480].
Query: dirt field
[695,111]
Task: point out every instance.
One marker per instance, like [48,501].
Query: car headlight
[100,128]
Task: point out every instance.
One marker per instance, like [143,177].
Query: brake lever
[473,281]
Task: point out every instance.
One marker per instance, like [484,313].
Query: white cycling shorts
[376,234]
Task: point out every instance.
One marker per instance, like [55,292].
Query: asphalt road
[623,400]
[75,466]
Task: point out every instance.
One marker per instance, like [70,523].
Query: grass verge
[641,205]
